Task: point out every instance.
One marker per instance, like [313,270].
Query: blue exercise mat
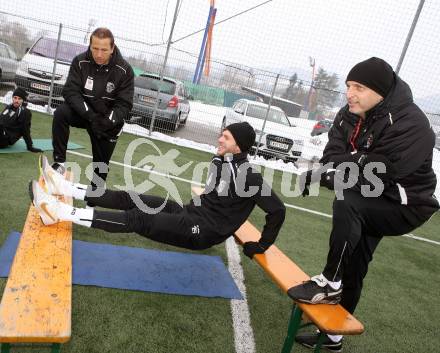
[124,267]
[43,144]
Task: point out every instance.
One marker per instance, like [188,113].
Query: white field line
[243,333]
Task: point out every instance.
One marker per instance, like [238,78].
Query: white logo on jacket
[110,87]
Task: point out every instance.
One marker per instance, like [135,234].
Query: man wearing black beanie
[244,135]
[381,131]
[15,122]
[233,189]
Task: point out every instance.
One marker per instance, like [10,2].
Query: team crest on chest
[110,87]
[369,141]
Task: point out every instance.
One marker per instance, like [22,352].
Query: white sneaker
[54,181]
[45,204]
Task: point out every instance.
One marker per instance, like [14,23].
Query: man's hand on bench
[250,248]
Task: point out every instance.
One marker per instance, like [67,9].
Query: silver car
[8,63]
[280,139]
[173,106]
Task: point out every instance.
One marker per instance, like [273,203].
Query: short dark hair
[102,33]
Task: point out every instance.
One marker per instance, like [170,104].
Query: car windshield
[153,83]
[46,47]
[274,116]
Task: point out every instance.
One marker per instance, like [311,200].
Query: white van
[35,70]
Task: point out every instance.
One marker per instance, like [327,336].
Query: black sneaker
[309,340]
[315,291]
[59,168]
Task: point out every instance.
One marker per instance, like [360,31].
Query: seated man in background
[15,122]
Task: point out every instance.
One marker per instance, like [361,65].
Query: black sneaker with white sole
[315,291]
[310,340]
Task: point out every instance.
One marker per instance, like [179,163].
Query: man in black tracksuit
[98,96]
[232,191]
[15,122]
[379,126]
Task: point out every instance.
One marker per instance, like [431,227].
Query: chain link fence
[282,63]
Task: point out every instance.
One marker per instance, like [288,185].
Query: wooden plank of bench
[36,303]
[332,319]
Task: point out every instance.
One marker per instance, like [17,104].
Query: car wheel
[183,123]
[252,151]
[176,123]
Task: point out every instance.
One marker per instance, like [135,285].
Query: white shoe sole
[42,207]
[49,176]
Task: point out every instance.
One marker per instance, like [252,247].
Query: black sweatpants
[102,149]
[153,217]
[359,223]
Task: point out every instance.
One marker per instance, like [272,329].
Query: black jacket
[232,190]
[398,130]
[106,89]
[16,122]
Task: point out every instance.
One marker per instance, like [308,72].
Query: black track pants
[150,216]
[359,223]
[102,149]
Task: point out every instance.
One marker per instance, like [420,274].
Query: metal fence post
[409,36]
[49,103]
[267,114]
[162,70]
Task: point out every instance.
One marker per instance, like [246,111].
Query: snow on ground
[206,114]
[143,132]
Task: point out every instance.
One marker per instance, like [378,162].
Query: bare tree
[15,35]
[326,85]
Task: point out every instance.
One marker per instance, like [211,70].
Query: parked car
[173,106]
[8,63]
[321,126]
[279,139]
[35,70]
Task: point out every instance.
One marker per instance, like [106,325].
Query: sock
[79,191]
[335,285]
[335,338]
[75,190]
[79,216]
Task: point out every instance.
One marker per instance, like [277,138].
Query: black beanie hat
[374,73]
[244,135]
[20,92]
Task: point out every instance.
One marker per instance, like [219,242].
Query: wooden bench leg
[56,348]
[292,329]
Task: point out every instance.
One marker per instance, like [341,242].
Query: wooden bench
[37,301]
[329,319]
